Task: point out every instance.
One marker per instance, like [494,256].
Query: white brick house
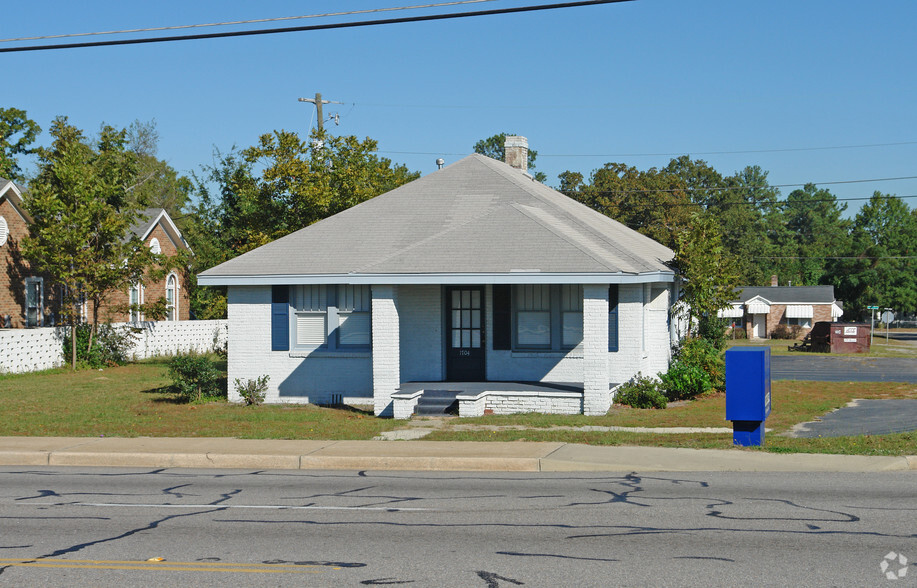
[474,278]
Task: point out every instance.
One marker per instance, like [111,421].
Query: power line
[863,257]
[241,22]
[323,27]
[670,154]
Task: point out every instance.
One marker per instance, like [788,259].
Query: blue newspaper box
[748,393]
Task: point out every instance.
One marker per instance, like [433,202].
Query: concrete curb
[418,456]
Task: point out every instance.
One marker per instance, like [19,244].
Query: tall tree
[652,202]
[709,273]
[17,132]
[884,271]
[158,184]
[815,232]
[300,182]
[746,209]
[82,216]
[494,148]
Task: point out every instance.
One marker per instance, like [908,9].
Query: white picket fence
[29,350]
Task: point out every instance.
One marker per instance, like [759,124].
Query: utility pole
[318,102]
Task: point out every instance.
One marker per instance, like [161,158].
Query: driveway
[863,417]
[822,368]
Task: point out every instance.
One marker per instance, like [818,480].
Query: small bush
[252,391]
[703,354]
[782,331]
[110,345]
[640,392]
[194,377]
[684,381]
[739,333]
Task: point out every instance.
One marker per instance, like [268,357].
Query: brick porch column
[596,398]
[386,348]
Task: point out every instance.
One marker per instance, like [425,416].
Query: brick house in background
[474,280]
[31,299]
[761,309]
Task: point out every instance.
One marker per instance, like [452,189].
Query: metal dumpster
[848,337]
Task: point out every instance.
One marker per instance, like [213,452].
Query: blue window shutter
[613,317]
[503,329]
[280,318]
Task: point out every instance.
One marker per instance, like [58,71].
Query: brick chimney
[774,281]
[516,152]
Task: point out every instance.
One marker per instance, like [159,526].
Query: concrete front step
[437,402]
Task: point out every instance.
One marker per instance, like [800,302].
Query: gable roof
[475,221]
[787,294]
[12,193]
[158,216]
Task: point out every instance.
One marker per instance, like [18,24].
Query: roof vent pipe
[516,152]
[440,163]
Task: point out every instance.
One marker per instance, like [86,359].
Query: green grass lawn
[133,401]
[793,402]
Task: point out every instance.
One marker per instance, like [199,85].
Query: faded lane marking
[175,566]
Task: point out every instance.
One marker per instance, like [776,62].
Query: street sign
[872,308]
[887,317]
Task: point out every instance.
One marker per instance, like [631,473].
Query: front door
[465,334]
[759,322]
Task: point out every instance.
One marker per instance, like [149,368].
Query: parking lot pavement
[819,368]
[863,417]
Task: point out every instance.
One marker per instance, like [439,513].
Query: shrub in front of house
[783,331]
[684,381]
[194,377]
[252,391]
[110,345]
[640,392]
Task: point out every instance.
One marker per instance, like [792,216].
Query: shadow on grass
[348,408]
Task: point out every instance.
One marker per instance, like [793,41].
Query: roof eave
[521,277]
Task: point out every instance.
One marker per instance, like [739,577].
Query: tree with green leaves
[82,215]
[709,274]
[300,182]
[883,271]
[157,184]
[814,230]
[17,133]
[494,147]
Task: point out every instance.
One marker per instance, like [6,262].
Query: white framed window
[172,298]
[331,317]
[547,317]
[135,297]
[805,323]
[34,302]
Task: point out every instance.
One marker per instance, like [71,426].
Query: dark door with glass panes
[465,334]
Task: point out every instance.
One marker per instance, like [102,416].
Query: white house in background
[474,279]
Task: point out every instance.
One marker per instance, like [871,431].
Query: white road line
[227,506]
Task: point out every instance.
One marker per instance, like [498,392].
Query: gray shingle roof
[477,216]
[788,294]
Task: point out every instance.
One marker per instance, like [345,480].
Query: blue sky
[585,85]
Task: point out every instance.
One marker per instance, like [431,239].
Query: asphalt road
[843,369]
[68,527]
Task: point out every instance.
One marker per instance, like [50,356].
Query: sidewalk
[172,452]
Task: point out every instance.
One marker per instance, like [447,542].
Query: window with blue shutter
[280,318]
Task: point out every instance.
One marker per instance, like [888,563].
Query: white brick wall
[29,350]
[596,398]
[420,311]
[293,377]
[386,360]
[171,338]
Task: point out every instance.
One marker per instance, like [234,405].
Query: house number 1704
[464,352]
